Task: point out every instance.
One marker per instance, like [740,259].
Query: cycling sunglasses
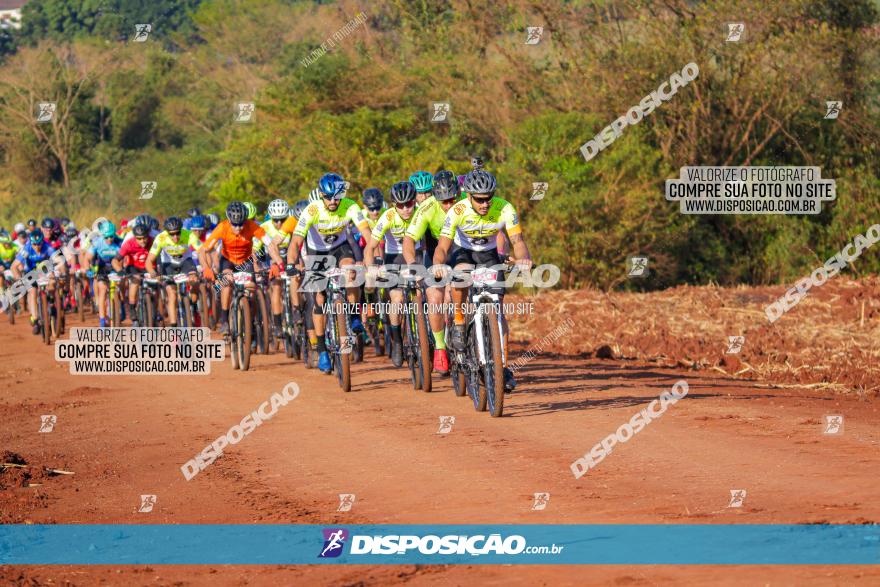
[234,225]
[278,220]
[406,205]
[174,233]
[374,209]
[485,200]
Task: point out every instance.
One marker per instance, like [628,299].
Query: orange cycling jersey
[236,247]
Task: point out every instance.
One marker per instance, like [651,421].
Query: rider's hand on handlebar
[524,264]
[209,274]
[291,270]
[440,272]
[276,270]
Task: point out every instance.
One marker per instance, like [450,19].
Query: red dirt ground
[127,436]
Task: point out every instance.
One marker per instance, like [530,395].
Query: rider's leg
[101,298]
[277,306]
[436,316]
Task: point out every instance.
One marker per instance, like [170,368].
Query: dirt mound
[830,340]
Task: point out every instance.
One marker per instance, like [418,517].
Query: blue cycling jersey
[104,252]
[29,256]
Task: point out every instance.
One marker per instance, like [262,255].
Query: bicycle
[147,301]
[293,332]
[241,321]
[417,347]
[184,304]
[50,313]
[336,330]
[12,308]
[377,324]
[262,319]
[482,360]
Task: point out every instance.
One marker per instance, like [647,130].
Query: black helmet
[32,223]
[193,212]
[141,230]
[236,213]
[479,181]
[445,186]
[477,162]
[47,223]
[373,199]
[64,221]
[173,224]
[154,223]
[71,232]
[403,192]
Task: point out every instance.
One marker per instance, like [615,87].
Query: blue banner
[289,544]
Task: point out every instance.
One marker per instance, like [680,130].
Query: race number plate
[180,278]
[484,276]
[242,277]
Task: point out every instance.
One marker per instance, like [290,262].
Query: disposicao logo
[334,540]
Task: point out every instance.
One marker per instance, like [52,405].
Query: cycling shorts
[170,269]
[343,251]
[226,264]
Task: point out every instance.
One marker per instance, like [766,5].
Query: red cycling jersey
[134,253]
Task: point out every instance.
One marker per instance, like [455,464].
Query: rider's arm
[442,250]
[296,243]
[271,246]
[510,220]
[409,249]
[382,225]
[357,217]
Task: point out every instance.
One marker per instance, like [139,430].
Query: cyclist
[174,252]
[134,253]
[322,226]
[188,217]
[474,224]
[19,231]
[279,212]
[397,219]
[236,234]
[8,251]
[197,230]
[422,180]
[51,234]
[35,251]
[102,252]
[213,220]
[427,223]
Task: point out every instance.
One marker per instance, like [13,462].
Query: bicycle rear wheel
[493,371]
[261,322]
[57,312]
[410,351]
[115,310]
[10,309]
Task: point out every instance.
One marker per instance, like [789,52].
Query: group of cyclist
[440,220]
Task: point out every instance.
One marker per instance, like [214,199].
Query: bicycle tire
[149,316]
[232,330]
[409,346]
[188,317]
[344,359]
[44,316]
[245,336]
[204,311]
[261,322]
[426,363]
[79,297]
[116,317]
[58,318]
[494,368]
[476,391]
[10,309]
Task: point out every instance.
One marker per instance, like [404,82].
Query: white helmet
[278,209]
[315,196]
[20,227]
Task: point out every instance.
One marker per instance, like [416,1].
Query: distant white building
[10,13]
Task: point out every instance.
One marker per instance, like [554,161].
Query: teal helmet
[108,229]
[423,181]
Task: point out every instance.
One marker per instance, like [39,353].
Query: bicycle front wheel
[343,360]
[245,334]
[493,370]
[425,362]
[44,316]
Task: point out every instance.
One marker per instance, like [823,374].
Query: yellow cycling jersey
[392,221]
[372,222]
[471,231]
[324,230]
[272,233]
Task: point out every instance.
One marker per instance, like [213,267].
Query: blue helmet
[423,181]
[331,185]
[197,222]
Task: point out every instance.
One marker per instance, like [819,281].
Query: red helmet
[123,223]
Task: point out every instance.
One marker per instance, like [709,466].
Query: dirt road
[128,436]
